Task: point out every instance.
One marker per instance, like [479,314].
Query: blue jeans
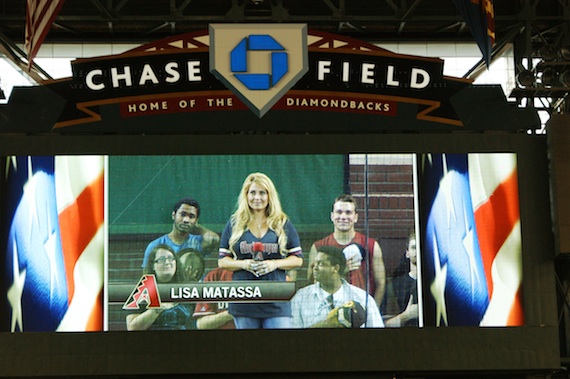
[262,323]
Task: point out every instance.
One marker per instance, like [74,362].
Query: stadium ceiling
[528,24]
[133,21]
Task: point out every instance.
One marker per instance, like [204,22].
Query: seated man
[405,288]
[186,232]
[192,266]
[331,302]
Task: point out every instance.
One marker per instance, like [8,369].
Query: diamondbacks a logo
[259,62]
[145,292]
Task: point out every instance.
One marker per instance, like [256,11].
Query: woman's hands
[249,265]
[265,267]
[259,268]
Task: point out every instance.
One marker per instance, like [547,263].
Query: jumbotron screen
[244,241]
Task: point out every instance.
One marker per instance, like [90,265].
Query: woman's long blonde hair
[243,215]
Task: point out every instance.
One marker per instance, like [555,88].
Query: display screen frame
[307,186]
[531,347]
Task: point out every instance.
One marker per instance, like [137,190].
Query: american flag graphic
[472,242]
[480,18]
[40,15]
[55,243]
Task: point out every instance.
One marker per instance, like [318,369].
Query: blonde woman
[260,243]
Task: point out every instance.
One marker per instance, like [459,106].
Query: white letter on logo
[194,71]
[368,73]
[345,71]
[147,74]
[416,73]
[171,69]
[324,67]
[89,80]
[126,76]
[390,77]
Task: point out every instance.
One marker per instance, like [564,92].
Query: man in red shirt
[368,274]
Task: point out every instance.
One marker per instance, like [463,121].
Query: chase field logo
[259,62]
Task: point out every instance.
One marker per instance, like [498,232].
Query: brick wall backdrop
[390,202]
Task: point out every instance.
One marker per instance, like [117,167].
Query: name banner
[151,294]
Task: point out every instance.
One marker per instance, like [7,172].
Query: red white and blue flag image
[472,261]
[480,18]
[55,238]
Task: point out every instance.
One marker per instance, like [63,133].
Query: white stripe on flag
[79,202]
[507,277]
[40,15]
[489,175]
[88,277]
[487,172]
[73,174]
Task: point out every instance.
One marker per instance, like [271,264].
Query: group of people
[345,272]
